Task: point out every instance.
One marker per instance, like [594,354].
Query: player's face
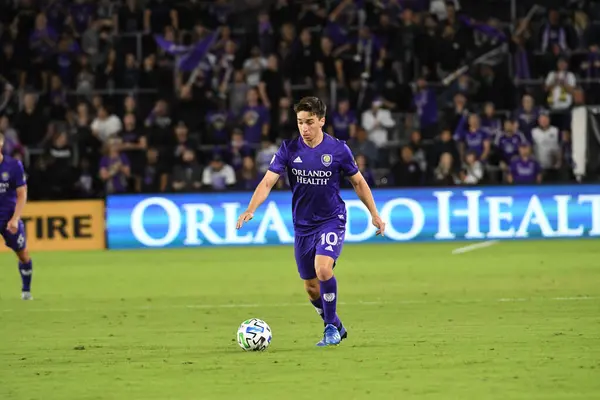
[309,125]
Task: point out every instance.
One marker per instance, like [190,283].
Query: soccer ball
[254,335]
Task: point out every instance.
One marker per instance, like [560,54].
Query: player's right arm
[260,195]
[276,168]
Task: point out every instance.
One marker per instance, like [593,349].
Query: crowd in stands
[93,106]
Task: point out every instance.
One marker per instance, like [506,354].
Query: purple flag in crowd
[170,47]
[487,30]
[191,59]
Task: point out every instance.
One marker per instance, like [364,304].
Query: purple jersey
[341,124]
[12,176]
[509,145]
[254,118]
[474,141]
[524,171]
[315,176]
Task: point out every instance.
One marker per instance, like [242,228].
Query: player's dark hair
[312,105]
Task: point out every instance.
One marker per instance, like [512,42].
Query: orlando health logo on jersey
[313,176]
[5,181]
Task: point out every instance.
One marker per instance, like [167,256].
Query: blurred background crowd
[95,98]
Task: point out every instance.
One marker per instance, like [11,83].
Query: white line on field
[475,246]
[284,305]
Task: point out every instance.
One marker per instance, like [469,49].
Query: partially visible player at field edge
[13,196]
[316,164]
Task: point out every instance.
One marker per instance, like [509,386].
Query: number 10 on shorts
[330,238]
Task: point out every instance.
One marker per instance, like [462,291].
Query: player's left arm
[362,189]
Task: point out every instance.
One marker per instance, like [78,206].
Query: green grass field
[518,320]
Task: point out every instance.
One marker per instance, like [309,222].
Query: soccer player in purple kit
[13,196]
[316,163]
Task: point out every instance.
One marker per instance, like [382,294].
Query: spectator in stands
[89,145]
[115,169]
[527,116]
[158,125]
[454,115]
[376,121]
[426,108]
[472,138]
[154,177]
[490,123]
[183,141]
[238,149]
[406,172]
[265,155]
[560,85]
[554,36]
[30,122]
[42,43]
[236,92]
[343,121]
[254,66]
[524,169]
[419,155]
[187,176]
[362,145]
[508,143]
[255,118]
[133,143]
[130,77]
[452,50]
[218,124]
[218,175]
[57,100]
[472,171]
[60,157]
[105,125]
[444,173]
[547,147]
[272,86]
[445,144]
[248,176]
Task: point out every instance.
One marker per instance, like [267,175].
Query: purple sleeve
[347,162]
[279,160]
[19,175]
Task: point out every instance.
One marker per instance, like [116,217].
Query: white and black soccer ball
[254,335]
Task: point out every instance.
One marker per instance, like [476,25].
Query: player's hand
[13,226]
[379,224]
[245,217]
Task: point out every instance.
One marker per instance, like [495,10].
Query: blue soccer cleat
[333,336]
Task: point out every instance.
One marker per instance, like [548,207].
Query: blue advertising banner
[465,213]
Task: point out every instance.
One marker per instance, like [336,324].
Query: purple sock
[329,296]
[318,305]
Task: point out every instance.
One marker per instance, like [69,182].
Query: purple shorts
[326,241]
[17,241]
